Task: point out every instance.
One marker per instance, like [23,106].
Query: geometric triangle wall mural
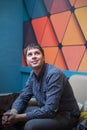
[60,27]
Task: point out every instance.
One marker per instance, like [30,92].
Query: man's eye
[29,54]
[37,53]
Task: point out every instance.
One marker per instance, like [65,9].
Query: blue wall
[10,45]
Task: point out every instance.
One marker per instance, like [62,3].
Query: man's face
[34,58]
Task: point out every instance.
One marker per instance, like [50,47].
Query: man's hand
[12,117]
[9,118]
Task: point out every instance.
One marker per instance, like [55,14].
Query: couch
[79,86]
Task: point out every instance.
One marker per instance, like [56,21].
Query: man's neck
[38,69]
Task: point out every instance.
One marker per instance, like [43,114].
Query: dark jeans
[62,121]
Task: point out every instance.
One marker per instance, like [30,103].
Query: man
[56,108]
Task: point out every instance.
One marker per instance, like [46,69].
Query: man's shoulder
[52,67]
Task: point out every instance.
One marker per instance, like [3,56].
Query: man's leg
[62,122]
[41,124]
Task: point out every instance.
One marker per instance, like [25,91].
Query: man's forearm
[21,117]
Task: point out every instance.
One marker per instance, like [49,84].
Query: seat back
[79,86]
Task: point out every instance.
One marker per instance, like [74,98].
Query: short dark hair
[35,45]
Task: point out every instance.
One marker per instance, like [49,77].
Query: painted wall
[59,26]
[10,45]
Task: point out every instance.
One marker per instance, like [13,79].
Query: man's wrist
[13,110]
[21,117]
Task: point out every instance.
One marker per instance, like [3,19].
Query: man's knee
[30,125]
[35,124]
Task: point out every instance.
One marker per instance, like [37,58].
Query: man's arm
[21,102]
[53,96]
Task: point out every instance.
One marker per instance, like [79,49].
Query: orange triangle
[50,54]
[49,38]
[73,55]
[82,18]
[60,22]
[60,61]
[73,35]
[83,64]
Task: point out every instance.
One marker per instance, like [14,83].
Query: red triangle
[60,22]
[39,26]
[73,55]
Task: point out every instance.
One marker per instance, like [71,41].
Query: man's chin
[35,67]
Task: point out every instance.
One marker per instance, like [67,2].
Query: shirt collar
[41,73]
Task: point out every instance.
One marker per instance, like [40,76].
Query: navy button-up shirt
[52,92]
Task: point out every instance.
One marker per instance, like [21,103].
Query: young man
[56,108]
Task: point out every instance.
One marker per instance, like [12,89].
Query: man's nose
[33,56]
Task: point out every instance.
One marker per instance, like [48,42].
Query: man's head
[35,55]
[34,45]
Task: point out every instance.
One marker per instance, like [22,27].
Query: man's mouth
[35,62]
